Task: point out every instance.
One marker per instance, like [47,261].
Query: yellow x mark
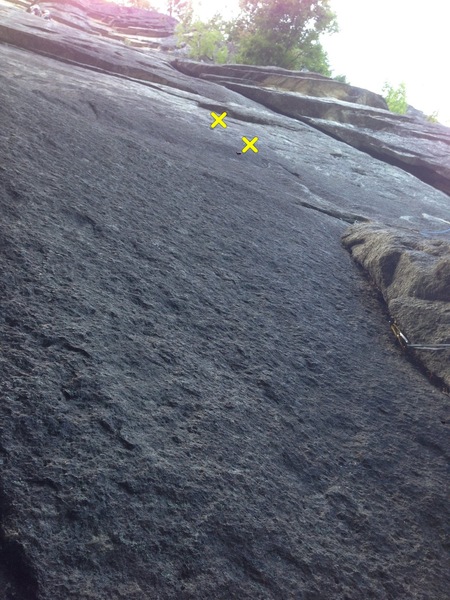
[250,144]
[218,119]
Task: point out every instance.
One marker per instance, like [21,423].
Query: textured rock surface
[413,274]
[305,83]
[108,19]
[128,19]
[350,114]
[87,46]
[200,395]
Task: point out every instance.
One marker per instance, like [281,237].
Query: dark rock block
[305,83]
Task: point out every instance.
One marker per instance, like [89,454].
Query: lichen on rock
[413,274]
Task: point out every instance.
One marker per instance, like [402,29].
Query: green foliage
[206,41]
[434,117]
[259,49]
[396,98]
[341,79]
[267,32]
[314,58]
[284,33]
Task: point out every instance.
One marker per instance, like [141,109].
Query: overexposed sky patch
[395,41]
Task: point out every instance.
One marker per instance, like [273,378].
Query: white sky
[395,41]
[385,40]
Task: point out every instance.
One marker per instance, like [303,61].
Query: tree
[396,98]
[180,9]
[341,78]
[312,56]
[434,117]
[284,33]
[206,41]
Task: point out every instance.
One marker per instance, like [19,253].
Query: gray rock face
[108,19]
[125,19]
[128,19]
[83,46]
[355,116]
[200,396]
